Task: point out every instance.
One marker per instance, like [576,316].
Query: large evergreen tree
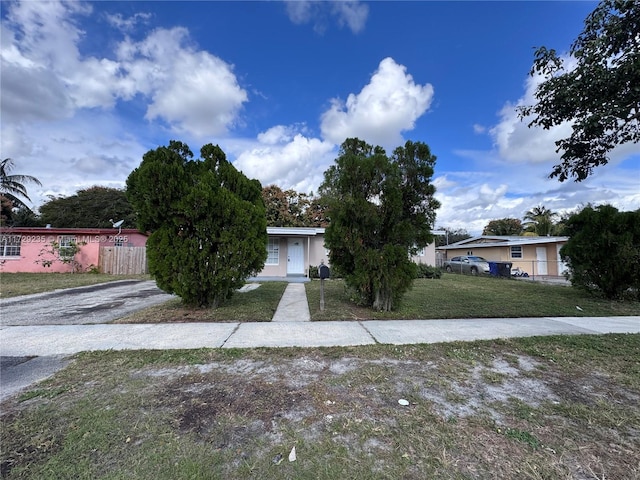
[603,251]
[381,209]
[207,220]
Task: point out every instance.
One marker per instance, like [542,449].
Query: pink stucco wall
[34,243]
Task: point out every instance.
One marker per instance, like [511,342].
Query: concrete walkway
[293,306]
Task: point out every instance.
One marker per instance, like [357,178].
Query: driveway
[100,303]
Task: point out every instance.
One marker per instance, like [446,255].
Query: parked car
[467,264]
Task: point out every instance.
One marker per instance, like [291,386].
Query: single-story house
[111,250]
[290,250]
[534,255]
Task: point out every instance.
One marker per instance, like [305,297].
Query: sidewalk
[20,341]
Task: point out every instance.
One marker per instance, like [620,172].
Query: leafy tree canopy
[93,207]
[600,94]
[603,251]
[207,220]
[503,226]
[381,208]
[288,208]
[452,236]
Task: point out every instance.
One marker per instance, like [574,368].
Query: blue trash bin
[493,268]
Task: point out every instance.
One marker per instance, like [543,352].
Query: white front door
[562,267]
[541,257]
[295,257]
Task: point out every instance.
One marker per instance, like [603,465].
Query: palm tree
[12,186]
[539,220]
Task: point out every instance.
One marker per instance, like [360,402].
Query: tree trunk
[383,301]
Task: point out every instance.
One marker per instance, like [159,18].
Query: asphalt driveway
[100,303]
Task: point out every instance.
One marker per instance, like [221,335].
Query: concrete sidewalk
[43,340]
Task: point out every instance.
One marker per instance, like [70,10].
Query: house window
[516,251]
[10,245]
[67,246]
[273,251]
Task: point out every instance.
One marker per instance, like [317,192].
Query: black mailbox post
[323,272]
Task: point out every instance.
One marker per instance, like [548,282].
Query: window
[67,246]
[10,245]
[516,251]
[273,251]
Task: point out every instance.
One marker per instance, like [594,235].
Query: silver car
[467,264]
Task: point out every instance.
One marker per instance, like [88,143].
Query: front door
[295,257]
[562,267]
[541,257]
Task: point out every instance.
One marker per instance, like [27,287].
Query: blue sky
[88,88]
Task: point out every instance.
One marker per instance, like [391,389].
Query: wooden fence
[123,260]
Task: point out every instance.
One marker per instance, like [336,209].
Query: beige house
[538,256]
[292,250]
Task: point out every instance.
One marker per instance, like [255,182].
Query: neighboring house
[290,251]
[534,255]
[27,249]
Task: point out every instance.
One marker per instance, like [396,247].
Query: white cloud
[127,24]
[196,92]
[353,14]
[477,128]
[287,158]
[45,76]
[388,105]
[518,143]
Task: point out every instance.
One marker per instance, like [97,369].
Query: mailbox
[323,271]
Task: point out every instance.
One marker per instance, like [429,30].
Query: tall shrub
[207,222]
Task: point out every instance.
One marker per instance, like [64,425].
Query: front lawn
[534,408]
[463,296]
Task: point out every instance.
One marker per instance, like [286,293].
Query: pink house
[28,249]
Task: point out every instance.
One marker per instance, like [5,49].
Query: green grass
[462,296]
[567,406]
[257,305]
[14,284]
